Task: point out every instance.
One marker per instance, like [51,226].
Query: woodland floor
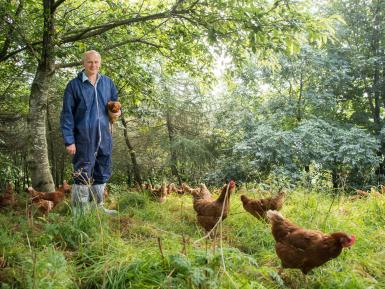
[152,245]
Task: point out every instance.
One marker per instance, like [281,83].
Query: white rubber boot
[80,198]
[97,192]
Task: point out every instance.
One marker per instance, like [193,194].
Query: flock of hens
[295,246]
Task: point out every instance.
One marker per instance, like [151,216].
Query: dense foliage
[194,77]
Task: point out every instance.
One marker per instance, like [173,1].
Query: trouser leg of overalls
[92,167]
[102,167]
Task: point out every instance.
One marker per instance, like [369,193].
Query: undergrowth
[152,245]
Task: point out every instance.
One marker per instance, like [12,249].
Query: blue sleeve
[67,116]
[114,92]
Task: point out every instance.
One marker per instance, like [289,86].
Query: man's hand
[71,149]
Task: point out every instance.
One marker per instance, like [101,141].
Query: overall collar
[84,76]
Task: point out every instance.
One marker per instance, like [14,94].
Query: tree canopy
[210,89]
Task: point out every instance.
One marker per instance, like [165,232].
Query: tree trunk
[335,178]
[375,51]
[38,160]
[131,151]
[376,87]
[300,100]
[174,160]
[51,151]
[25,171]
[129,175]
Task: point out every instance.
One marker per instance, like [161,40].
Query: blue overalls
[84,122]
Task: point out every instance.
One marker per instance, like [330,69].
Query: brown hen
[65,188]
[160,194]
[55,197]
[147,187]
[188,190]
[113,108]
[305,249]
[171,188]
[258,208]
[44,206]
[8,197]
[209,210]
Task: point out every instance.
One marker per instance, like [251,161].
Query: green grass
[152,245]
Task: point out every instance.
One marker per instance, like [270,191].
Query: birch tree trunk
[38,161]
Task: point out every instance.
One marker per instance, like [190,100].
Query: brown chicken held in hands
[258,208]
[113,108]
[209,210]
[305,249]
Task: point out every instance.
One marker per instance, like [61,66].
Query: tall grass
[151,245]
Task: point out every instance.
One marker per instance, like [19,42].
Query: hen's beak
[351,241]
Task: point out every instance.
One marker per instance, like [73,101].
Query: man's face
[92,64]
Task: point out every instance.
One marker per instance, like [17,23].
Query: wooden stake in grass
[181,210]
[34,270]
[28,212]
[329,210]
[161,250]
[184,251]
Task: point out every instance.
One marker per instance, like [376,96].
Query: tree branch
[140,8]
[8,38]
[28,45]
[57,4]
[67,65]
[137,40]
[11,82]
[99,29]
[9,55]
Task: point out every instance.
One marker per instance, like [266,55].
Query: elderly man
[86,131]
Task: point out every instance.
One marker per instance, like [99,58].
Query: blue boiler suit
[84,122]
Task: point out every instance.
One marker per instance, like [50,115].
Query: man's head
[91,62]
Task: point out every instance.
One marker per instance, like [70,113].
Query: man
[86,132]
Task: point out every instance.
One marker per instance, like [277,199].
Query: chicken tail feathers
[274,216]
[244,199]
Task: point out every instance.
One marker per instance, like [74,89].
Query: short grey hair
[90,52]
